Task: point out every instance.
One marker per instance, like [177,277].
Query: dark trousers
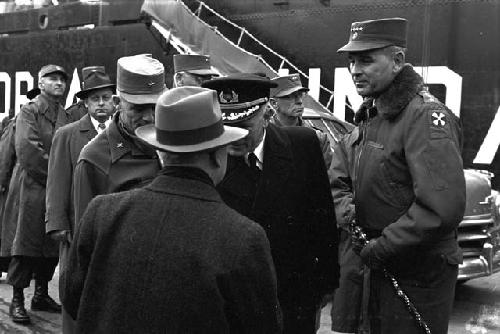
[22,268]
[431,288]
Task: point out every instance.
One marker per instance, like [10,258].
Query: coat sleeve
[432,149]
[250,289]
[88,182]
[341,183]
[325,148]
[30,152]
[80,255]
[59,181]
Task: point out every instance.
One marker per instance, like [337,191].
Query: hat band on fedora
[190,137]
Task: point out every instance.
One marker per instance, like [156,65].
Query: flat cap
[240,95]
[376,34]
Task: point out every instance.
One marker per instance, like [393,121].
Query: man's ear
[215,156]
[399,61]
[116,100]
[85,102]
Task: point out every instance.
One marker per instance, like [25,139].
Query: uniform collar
[121,144]
[395,98]
[44,104]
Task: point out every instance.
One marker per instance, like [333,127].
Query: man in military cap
[287,100]
[97,94]
[277,177]
[180,259]
[23,234]
[116,159]
[192,70]
[410,188]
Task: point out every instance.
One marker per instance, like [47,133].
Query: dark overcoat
[170,258]
[24,219]
[292,201]
[114,161]
[66,147]
[7,163]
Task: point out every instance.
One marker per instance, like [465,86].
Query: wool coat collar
[186,182]
[394,99]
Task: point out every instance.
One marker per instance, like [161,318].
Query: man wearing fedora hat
[172,257]
[192,70]
[116,159]
[78,109]
[23,233]
[97,94]
[404,162]
[277,177]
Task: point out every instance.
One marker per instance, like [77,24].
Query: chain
[358,233]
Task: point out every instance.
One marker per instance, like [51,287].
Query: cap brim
[141,99]
[291,91]
[357,46]
[64,74]
[203,72]
[148,134]
[83,93]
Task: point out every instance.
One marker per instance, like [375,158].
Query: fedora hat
[140,79]
[195,64]
[287,85]
[376,34]
[94,79]
[241,95]
[188,119]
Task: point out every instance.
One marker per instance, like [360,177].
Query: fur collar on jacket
[392,101]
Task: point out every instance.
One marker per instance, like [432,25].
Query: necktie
[101,126]
[252,161]
[255,171]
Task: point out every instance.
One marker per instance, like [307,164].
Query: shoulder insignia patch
[439,123]
[438,118]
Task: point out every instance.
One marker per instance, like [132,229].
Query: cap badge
[228,97]
[151,84]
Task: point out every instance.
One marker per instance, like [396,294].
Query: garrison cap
[376,34]
[140,79]
[195,64]
[48,69]
[240,95]
[287,85]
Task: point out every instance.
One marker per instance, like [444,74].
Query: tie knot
[101,126]
[252,160]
